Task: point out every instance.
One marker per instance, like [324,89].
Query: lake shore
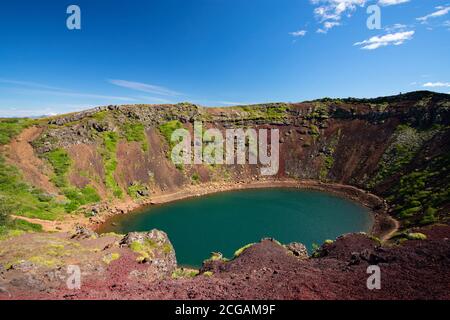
[383,225]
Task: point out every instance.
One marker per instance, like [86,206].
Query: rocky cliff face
[68,166]
[396,147]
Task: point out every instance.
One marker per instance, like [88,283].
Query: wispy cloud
[144,87]
[76,94]
[27,87]
[154,99]
[299,33]
[396,27]
[376,42]
[391,2]
[40,110]
[437,85]
[441,11]
[327,25]
[28,84]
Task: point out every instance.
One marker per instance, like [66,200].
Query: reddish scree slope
[267,271]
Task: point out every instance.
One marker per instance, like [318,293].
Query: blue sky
[216,52]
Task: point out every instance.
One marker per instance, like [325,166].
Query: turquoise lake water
[224,222]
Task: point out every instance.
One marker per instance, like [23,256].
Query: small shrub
[416,236]
[195,178]
[241,250]
[111,257]
[184,273]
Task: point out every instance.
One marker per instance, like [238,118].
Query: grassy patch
[181,273]
[421,193]
[406,142]
[416,236]
[80,197]
[320,112]
[145,249]
[167,129]
[314,130]
[19,224]
[195,178]
[9,128]
[19,198]
[110,140]
[274,112]
[61,163]
[238,252]
[111,257]
[136,190]
[135,132]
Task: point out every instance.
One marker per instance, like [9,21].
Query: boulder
[153,249]
[298,250]
[83,233]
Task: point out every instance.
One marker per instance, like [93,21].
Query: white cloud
[441,11]
[436,84]
[144,87]
[327,25]
[299,33]
[395,39]
[391,2]
[329,12]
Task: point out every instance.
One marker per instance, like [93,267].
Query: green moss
[406,143]
[208,274]
[167,248]
[320,112]
[136,189]
[61,163]
[314,130]
[274,112]
[181,273]
[421,193]
[216,256]
[100,116]
[146,249]
[430,216]
[110,140]
[111,257]
[195,178]
[167,130]
[134,131]
[241,250]
[44,261]
[328,162]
